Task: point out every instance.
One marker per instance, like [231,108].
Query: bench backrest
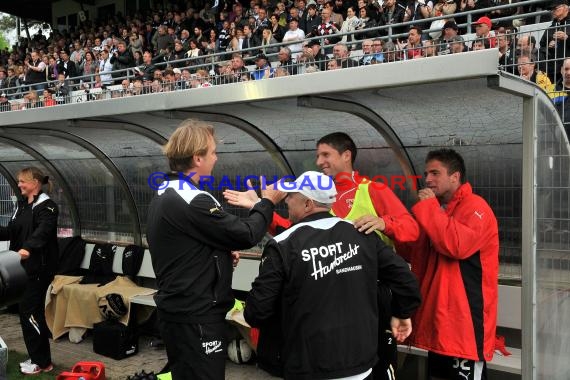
[146,266]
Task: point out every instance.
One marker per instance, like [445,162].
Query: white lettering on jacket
[327,257]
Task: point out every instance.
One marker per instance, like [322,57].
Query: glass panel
[553,247]
[102,204]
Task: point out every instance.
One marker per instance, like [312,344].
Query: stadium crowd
[193,44]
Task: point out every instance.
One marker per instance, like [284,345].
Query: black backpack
[132,260]
[101,265]
[71,252]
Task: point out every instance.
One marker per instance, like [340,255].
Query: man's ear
[346,156]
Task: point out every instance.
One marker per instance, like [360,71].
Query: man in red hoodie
[457,262]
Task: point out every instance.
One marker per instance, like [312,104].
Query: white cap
[313,185]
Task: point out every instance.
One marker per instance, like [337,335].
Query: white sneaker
[26,363]
[34,369]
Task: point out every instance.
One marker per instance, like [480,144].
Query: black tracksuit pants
[33,320]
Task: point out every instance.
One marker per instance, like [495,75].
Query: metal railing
[86,88]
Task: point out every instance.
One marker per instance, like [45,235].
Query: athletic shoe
[26,363]
[34,369]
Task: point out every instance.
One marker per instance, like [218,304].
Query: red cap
[484,20]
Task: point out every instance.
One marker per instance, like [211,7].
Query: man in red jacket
[457,262]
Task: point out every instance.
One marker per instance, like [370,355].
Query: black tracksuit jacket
[34,227]
[190,238]
[322,275]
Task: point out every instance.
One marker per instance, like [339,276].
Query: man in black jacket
[190,238]
[321,274]
[121,59]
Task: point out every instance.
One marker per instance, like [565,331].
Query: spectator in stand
[178,54]
[285,61]
[12,81]
[350,25]
[526,44]
[391,12]
[105,68]
[527,70]
[337,18]
[333,64]
[194,53]
[317,57]
[341,53]
[483,30]
[36,71]
[480,44]
[146,69]
[443,8]
[418,10]
[327,29]
[555,44]
[31,100]
[506,53]
[457,45]
[135,43]
[162,41]
[365,22]
[66,66]
[311,20]
[262,69]
[505,12]
[249,41]
[48,99]
[413,47]
[3,81]
[121,59]
[261,23]
[88,67]
[77,54]
[430,48]
[169,82]
[201,79]
[377,51]
[238,70]
[449,31]
[237,39]
[561,98]
[295,35]
[267,39]
[137,58]
[367,55]
[277,30]
[224,37]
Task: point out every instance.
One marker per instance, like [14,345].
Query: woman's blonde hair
[189,139]
[30,173]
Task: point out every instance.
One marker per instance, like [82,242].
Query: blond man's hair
[188,140]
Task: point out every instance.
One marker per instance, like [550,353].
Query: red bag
[85,370]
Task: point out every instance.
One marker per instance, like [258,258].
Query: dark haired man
[457,262]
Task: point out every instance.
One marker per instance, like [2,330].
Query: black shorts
[452,368]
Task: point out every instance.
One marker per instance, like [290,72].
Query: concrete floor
[65,354]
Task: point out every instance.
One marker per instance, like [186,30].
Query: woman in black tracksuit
[32,232]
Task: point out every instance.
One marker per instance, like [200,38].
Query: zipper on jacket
[217,279]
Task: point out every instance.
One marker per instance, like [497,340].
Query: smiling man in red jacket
[457,262]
